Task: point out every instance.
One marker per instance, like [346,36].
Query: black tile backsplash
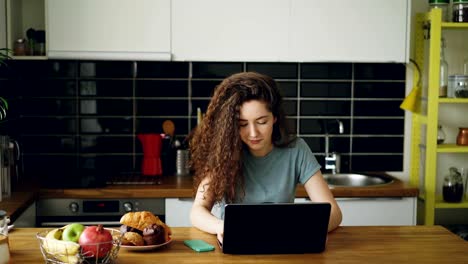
[326,89]
[215,69]
[332,71]
[275,70]
[77,121]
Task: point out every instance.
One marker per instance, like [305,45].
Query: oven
[57,212]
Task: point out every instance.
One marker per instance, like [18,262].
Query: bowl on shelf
[60,251]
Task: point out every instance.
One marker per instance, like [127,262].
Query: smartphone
[199,245]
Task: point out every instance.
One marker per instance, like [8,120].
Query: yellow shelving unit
[424,148]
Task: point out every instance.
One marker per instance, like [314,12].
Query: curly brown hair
[215,145]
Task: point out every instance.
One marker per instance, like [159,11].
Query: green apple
[72,232]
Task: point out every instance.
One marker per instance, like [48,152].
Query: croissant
[132,239]
[145,219]
[139,220]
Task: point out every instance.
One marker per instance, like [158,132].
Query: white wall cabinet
[342,30]
[243,30]
[383,211]
[109,29]
[290,30]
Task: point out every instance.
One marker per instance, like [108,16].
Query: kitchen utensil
[182,162]
[462,137]
[169,128]
[440,135]
[152,144]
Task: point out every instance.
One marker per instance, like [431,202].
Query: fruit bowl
[59,251]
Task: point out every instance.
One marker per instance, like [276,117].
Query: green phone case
[199,245]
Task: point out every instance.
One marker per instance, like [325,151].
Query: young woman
[243,152]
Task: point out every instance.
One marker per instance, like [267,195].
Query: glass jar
[443,82]
[4,244]
[458,86]
[440,135]
[443,5]
[20,47]
[460,11]
[452,191]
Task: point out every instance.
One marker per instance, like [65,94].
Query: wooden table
[405,244]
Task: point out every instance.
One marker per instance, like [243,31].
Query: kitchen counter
[398,244]
[172,187]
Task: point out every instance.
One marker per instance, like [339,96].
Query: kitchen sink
[356,180]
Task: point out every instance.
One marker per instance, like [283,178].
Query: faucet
[333,160]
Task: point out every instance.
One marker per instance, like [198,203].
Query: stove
[58,212]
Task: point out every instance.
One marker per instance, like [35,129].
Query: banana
[57,247]
[55,234]
[69,259]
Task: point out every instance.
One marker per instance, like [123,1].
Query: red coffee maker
[152,144]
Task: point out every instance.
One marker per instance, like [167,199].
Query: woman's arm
[318,191]
[201,216]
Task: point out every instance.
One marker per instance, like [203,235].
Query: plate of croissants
[143,231]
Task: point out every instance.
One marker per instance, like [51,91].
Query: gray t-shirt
[273,178]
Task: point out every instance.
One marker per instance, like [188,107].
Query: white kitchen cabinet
[243,30]
[383,211]
[342,30]
[178,211]
[357,211]
[291,30]
[109,29]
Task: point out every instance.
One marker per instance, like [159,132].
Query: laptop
[275,228]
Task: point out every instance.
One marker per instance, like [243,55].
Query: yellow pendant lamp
[412,102]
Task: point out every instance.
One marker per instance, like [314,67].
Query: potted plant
[3,102]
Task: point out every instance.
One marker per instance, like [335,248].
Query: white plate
[145,248]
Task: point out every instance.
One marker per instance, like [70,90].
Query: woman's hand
[220,231]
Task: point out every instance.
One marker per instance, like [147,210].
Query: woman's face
[256,127]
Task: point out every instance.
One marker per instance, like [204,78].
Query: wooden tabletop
[396,244]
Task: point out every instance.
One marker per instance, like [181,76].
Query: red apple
[95,241]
